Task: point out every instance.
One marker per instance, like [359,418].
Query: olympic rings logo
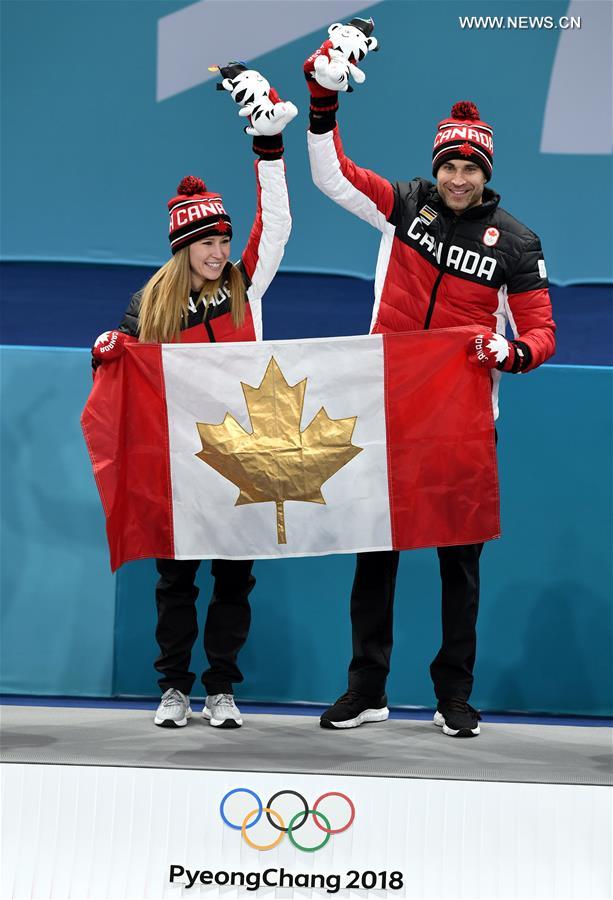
[295,822]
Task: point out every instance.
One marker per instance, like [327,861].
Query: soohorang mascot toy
[332,64]
[260,102]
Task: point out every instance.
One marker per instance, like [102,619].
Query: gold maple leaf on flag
[277,461]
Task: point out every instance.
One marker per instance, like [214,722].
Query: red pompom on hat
[464,136]
[191,184]
[196,213]
[465,110]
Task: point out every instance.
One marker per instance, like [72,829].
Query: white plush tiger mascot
[336,59]
[267,113]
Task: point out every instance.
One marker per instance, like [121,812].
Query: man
[449,256]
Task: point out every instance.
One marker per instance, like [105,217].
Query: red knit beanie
[195,213]
[464,136]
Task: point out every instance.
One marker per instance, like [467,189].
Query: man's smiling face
[460,184]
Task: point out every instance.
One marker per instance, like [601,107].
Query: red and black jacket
[205,323]
[436,269]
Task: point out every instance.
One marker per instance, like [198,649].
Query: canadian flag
[294,448]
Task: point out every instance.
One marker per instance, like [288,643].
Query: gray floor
[551,754]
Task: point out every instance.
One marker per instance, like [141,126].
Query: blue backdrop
[90,156]
[105,107]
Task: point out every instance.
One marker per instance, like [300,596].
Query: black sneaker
[353,709]
[457,718]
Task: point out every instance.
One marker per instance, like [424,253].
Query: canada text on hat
[464,136]
[196,213]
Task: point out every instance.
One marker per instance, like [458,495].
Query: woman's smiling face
[207,258]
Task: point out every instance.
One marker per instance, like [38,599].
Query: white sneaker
[221,711]
[174,710]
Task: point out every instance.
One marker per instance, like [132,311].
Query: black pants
[372,605]
[225,631]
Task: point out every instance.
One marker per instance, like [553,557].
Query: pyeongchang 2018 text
[331,883]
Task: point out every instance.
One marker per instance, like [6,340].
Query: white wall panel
[113,833]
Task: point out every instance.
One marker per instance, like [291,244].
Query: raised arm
[357,190]
[327,71]
[267,116]
[272,224]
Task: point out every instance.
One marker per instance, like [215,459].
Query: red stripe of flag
[442,474]
[125,424]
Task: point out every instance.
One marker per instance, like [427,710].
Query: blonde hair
[165,297]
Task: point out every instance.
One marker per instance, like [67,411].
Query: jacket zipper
[439,277]
[207,325]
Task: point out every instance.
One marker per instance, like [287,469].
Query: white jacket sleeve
[271,228]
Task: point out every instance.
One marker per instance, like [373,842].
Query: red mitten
[493,351]
[109,346]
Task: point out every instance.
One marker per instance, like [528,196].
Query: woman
[199,295]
